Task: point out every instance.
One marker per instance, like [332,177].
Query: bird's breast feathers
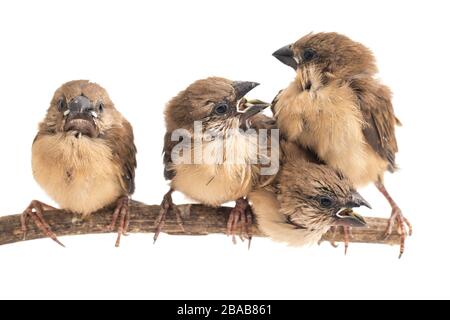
[327,119]
[78,173]
[225,172]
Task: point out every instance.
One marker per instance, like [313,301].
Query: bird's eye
[221,108]
[62,104]
[101,107]
[309,54]
[325,202]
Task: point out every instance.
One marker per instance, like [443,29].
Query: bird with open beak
[305,200]
[83,156]
[336,108]
[227,169]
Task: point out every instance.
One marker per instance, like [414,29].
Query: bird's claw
[240,216]
[396,217]
[167,205]
[35,212]
[347,236]
[404,228]
[333,242]
[121,212]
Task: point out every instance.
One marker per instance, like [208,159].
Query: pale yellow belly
[213,184]
[329,122]
[361,170]
[78,174]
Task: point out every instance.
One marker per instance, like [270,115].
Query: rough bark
[198,220]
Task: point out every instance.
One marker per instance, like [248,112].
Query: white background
[143,53]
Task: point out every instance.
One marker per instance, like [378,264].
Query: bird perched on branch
[305,200]
[336,108]
[83,156]
[218,159]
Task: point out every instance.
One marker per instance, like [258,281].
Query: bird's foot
[241,217]
[347,236]
[167,205]
[35,211]
[333,242]
[404,227]
[121,212]
[396,217]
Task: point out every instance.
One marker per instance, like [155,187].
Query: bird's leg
[333,242]
[396,216]
[347,236]
[34,211]
[248,224]
[166,205]
[240,215]
[121,212]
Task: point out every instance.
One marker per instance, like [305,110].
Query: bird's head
[328,53]
[213,101]
[315,197]
[81,108]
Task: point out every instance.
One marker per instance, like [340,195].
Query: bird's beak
[348,218]
[241,88]
[79,117]
[79,105]
[286,55]
[357,201]
[252,107]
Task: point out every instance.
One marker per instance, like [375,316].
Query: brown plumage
[228,165]
[336,108]
[83,155]
[305,200]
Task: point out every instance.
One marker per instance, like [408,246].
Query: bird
[338,109]
[217,160]
[305,200]
[83,156]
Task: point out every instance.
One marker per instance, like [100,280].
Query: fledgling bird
[305,200]
[83,156]
[222,164]
[339,110]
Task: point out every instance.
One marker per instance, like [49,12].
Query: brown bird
[336,108]
[220,161]
[83,156]
[305,200]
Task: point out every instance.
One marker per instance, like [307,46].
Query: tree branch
[198,220]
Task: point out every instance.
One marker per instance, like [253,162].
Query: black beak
[347,217]
[286,55]
[80,117]
[241,88]
[80,104]
[251,110]
[357,201]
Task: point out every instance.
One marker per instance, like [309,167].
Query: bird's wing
[378,113]
[261,121]
[169,173]
[121,141]
[291,151]
[267,149]
[38,135]
[275,100]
